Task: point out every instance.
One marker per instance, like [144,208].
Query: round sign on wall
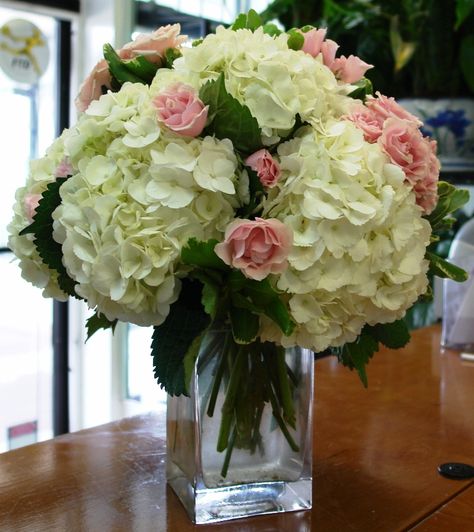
[24,52]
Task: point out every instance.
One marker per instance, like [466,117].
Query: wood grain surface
[376,453]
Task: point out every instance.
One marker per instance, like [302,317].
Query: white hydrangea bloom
[139,194]
[359,238]
[42,172]
[273,81]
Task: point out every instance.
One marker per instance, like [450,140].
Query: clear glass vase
[241,444]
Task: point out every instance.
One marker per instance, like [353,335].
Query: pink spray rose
[403,142]
[181,110]
[349,69]
[267,168]
[313,40]
[384,107]
[256,247]
[365,119]
[31,203]
[152,46]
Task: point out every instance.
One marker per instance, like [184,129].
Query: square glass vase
[241,444]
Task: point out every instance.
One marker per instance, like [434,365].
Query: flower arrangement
[251,179]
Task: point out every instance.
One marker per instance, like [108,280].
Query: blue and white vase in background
[451,123]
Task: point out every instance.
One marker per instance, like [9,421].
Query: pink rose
[313,40]
[180,109]
[31,203]
[329,49]
[91,88]
[256,247]
[64,169]
[403,142]
[365,119]
[266,166]
[384,107]
[152,46]
[349,69]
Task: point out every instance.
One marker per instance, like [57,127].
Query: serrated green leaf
[444,269]
[42,229]
[364,88]
[229,119]
[172,339]
[245,325]
[202,254]
[196,42]
[356,355]
[98,321]
[393,335]
[295,40]
[117,67]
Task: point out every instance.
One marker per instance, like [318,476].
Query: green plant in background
[420,48]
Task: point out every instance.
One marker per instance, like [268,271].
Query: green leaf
[250,21]
[364,88]
[229,119]
[196,42]
[142,68]
[117,67]
[450,199]
[392,335]
[210,298]
[444,269]
[271,29]
[466,59]
[463,9]
[98,321]
[42,228]
[268,301]
[240,22]
[356,355]
[202,254]
[174,338]
[245,325]
[295,40]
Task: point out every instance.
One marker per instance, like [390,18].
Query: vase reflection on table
[264,465]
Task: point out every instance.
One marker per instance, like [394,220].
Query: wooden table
[375,469]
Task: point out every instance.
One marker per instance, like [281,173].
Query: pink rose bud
[64,169]
[180,109]
[329,49]
[31,203]
[313,40]
[266,166]
[384,107]
[350,69]
[406,147]
[256,247]
[366,120]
